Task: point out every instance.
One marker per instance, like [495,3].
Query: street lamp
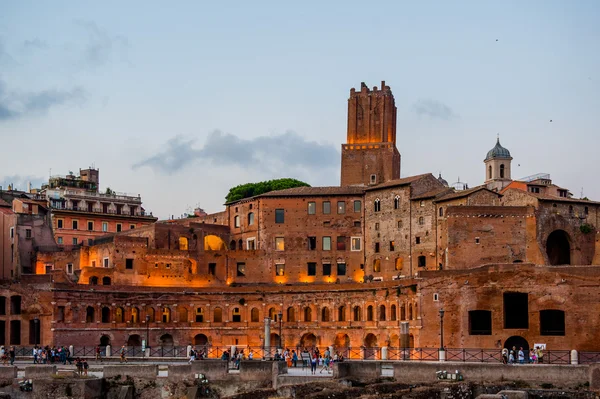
[280,315]
[36,329]
[147,332]
[442,329]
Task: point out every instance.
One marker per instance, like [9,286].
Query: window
[74,241]
[75,224]
[396,202]
[236,221]
[325,314]
[69,268]
[326,243]
[436,297]
[119,227]
[357,223]
[376,247]
[393,313]
[502,171]
[12,231]
[90,242]
[250,218]
[279,216]
[212,268]
[355,244]
[326,269]
[61,314]
[370,313]
[441,211]
[49,267]
[280,269]
[129,263]
[377,265]
[341,243]
[516,310]
[477,240]
[373,179]
[377,205]
[217,315]
[421,220]
[357,206]
[241,269]
[27,233]
[417,240]
[422,203]
[93,263]
[586,211]
[534,190]
[291,314]
[307,314]
[312,208]
[105,226]
[312,243]
[254,318]
[342,313]
[480,322]
[183,244]
[326,207]
[279,244]
[105,262]
[59,240]
[251,244]
[341,269]
[59,223]
[421,261]
[382,313]
[341,207]
[311,268]
[377,226]
[399,224]
[131,226]
[90,226]
[398,264]
[490,172]
[552,322]
[167,265]
[570,209]
[199,315]
[236,316]
[392,245]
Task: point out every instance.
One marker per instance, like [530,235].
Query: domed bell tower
[497,167]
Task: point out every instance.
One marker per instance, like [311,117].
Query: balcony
[100,211]
[104,197]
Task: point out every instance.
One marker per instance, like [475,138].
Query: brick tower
[370,155]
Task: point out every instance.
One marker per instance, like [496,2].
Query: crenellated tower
[370,155]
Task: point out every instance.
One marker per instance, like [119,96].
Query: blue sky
[152,93]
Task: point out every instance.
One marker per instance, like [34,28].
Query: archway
[558,248]
[201,339]
[134,340]
[214,243]
[308,340]
[517,341]
[395,341]
[370,346]
[104,340]
[275,341]
[342,341]
[166,340]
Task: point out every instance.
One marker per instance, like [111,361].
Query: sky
[180,101]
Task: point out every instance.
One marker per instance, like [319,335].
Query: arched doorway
[166,340]
[341,345]
[558,248]
[134,340]
[201,339]
[518,342]
[104,340]
[275,341]
[308,341]
[370,347]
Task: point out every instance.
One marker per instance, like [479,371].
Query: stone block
[8,372]
[139,371]
[178,372]
[212,369]
[41,371]
[511,394]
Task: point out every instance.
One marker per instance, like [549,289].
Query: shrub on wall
[586,228]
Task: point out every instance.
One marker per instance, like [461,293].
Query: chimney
[29,187]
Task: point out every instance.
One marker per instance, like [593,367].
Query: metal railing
[589,357]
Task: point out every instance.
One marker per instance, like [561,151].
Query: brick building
[367,264]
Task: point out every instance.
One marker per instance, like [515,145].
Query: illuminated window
[105,226]
[392,245]
[356,244]
[326,243]
[183,243]
[376,265]
[279,244]
[241,269]
[341,243]
[341,207]
[312,208]
[236,315]
[398,264]
[166,315]
[280,269]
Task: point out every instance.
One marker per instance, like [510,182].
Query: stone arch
[395,341]
[90,314]
[291,314]
[105,314]
[166,340]
[558,248]
[104,340]
[200,339]
[93,280]
[517,341]
[135,315]
[106,280]
[393,312]
[382,315]
[232,245]
[342,341]
[182,314]
[325,314]
[307,314]
[308,340]
[275,340]
[357,313]
[119,315]
[370,313]
[254,315]
[151,312]
[370,351]
[134,340]
[214,243]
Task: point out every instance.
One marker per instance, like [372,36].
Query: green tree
[252,189]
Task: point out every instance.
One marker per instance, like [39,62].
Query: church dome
[497,152]
[441,180]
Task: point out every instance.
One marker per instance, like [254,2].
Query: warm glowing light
[214,243]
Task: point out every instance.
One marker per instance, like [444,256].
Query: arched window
[307,314]
[217,315]
[183,244]
[182,314]
[382,312]
[93,280]
[236,315]
[342,313]
[502,171]
[89,314]
[135,315]
[370,313]
[377,205]
[291,314]
[105,314]
[325,314]
[410,313]
[441,211]
[199,315]
[393,313]
[232,245]
[250,218]
[273,314]
[166,315]
[254,317]
[119,315]
[357,313]
[150,313]
[490,172]
[421,220]
[570,209]
[398,264]
[396,202]
[106,280]
[402,312]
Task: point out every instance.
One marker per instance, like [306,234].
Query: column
[404,340]
[267,345]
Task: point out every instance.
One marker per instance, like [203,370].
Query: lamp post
[148,333]
[280,315]
[442,329]
[36,329]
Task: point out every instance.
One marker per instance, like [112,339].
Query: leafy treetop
[251,189]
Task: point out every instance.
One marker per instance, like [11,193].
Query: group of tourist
[514,356]
[50,355]
[7,356]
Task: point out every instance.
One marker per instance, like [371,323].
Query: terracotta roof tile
[398,182]
[464,193]
[314,191]
[432,193]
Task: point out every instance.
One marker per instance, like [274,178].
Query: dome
[497,152]
[441,180]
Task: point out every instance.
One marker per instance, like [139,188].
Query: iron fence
[474,355]
[556,357]
[589,357]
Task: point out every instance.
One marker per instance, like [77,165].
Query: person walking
[98,354]
[123,353]
[313,363]
[12,355]
[521,355]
